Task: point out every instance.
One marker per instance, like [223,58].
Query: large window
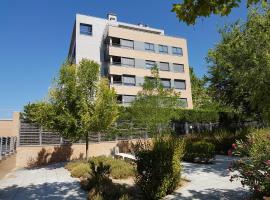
[166,83]
[128,61]
[127,43]
[128,98]
[178,67]
[149,46]
[177,51]
[86,29]
[163,49]
[164,66]
[180,84]
[149,64]
[129,80]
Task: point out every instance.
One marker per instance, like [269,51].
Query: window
[163,49]
[86,29]
[128,98]
[129,80]
[149,64]
[116,60]
[183,102]
[128,61]
[166,83]
[117,79]
[177,51]
[149,46]
[178,67]
[127,43]
[180,84]
[164,66]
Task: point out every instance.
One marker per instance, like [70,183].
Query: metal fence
[31,134]
[7,146]
[187,127]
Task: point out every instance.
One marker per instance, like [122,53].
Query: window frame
[165,79]
[164,63]
[128,76]
[154,63]
[90,33]
[149,49]
[174,64]
[179,80]
[160,46]
[176,52]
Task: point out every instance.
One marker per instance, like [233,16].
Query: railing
[32,135]
[7,146]
[122,64]
[121,46]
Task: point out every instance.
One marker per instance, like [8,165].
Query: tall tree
[239,65]
[189,10]
[79,103]
[155,106]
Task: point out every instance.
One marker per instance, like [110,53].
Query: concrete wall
[10,127]
[29,154]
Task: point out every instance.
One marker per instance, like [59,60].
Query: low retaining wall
[28,156]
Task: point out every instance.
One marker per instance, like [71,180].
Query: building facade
[127,52]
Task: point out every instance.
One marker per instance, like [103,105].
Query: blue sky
[35,36]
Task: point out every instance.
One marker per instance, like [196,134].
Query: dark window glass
[180,84]
[177,51]
[178,67]
[149,47]
[86,29]
[163,49]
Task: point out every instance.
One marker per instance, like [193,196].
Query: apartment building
[127,52]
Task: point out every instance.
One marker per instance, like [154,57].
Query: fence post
[61,140]
[186,128]
[99,138]
[6,146]
[40,136]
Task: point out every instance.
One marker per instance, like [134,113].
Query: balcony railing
[122,83]
[7,146]
[121,46]
[122,64]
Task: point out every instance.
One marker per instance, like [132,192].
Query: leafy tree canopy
[239,65]
[189,11]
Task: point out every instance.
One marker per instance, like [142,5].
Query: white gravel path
[210,182]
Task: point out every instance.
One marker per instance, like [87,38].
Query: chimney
[112,17]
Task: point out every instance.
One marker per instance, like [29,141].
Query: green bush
[159,169]
[200,151]
[254,166]
[120,169]
[80,170]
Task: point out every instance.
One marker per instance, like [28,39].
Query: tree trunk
[86,146]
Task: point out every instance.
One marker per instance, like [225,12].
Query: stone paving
[210,182]
[52,182]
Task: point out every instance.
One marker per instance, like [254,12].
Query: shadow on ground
[219,167]
[214,194]
[52,191]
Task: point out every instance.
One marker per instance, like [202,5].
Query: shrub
[120,169]
[80,170]
[253,169]
[159,169]
[70,165]
[200,151]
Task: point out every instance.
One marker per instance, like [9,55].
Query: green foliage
[253,169]
[159,169]
[79,103]
[196,115]
[189,10]
[79,170]
[200,151]
[200,94]
[239,66]
[155,106]
[120,169]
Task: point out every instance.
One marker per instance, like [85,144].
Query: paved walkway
[52,182]
[209,182]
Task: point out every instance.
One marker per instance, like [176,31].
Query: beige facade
[10,127]
[120,49]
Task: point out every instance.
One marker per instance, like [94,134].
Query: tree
[239,65]
[155,106]
[79,103]
[189,10]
